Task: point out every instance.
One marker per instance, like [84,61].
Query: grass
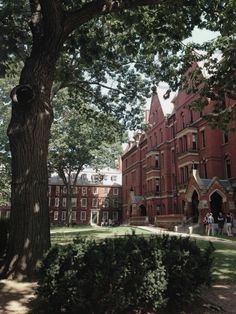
[224,265]
[64,235]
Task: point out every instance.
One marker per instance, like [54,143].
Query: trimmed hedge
[122,275]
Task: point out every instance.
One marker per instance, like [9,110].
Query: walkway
[157,230]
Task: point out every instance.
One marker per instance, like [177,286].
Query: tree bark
[29,132]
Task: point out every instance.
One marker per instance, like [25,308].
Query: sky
[198,36]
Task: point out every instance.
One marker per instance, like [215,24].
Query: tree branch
[101,7]
[52,14]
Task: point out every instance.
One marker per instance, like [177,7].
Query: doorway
[94,217]
[216,204]
[195,212]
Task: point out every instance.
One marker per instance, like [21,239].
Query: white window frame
[105,215]
[115,191]
[83,202]
[106,190]
[55,215]
[83,215]
[63,215]
[113,178]
[73,202]
[94,202]
[107,202]
[57,201]
[95,190]
[57,191]
[84,190]
[64,202]
[64,190]
[115,202]
[74,215]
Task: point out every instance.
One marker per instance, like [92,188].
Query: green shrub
[122,275]
[187,267]
[4,231]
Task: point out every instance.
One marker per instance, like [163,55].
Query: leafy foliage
[112,59]
[122,275]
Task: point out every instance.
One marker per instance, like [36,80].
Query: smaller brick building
[96,198]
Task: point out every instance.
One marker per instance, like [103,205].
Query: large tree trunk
[28,132]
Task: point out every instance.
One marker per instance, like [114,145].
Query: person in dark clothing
[221,222]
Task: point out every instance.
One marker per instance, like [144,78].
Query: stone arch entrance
[143,210]
[216,201]
[194,203]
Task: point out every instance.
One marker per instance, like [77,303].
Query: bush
[121,275]
[4,231]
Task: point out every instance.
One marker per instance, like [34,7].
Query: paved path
[194,236]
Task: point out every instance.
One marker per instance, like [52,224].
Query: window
[83,202]
[162,160]
[94,202]
[49,189]
[95,190]
[115,191]
[161,135]
[84,177]
[182,120]
[75,190]
[56,201]
[73,215]
[225,137]
[115,202]
[63,215]
[114,178]
[64,202]
[95,178]
[191,116]
[194,141]
[105,215]
[83,215]
[55,215]
[106,203]
[157,161]
[180,145]
[185,143]
[74,202]
[157,184]
[57,190]
[106,190]
[8,214]
[64,189]
[84,190]
[228,167]
[115,216]
[205,169]
[203,139]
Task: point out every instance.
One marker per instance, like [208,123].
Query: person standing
[221,222]
[211,225]
[229,224]
[205,223]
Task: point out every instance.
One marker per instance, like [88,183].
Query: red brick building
[95,198]
[180,168]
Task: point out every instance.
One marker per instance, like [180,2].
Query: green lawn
[63,235]
[224,267]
